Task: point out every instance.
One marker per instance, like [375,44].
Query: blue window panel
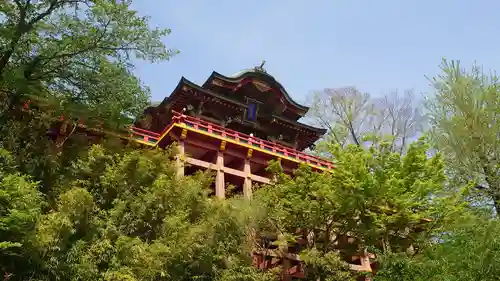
[252,112]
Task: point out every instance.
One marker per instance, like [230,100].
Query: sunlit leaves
[469,250]
[127,216]
[465,115]
[385,200]
[80,52]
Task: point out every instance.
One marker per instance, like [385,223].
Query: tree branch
[38,59]
[53,4]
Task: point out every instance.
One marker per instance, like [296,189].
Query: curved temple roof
[312,132]
[261,75]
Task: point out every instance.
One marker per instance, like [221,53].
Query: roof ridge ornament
[260,68]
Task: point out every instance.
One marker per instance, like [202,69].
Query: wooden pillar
[285,276]
[247,183]
[220,185]
[365,264]
[179,161]
[365,261]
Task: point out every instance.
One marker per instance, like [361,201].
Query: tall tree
[21,206]
[470,250]
[353,117]
[72,58]
[77,53]
[124,216]
[383,200]
[465,119]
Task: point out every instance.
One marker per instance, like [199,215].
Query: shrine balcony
[211,134]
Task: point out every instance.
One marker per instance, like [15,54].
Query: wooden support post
[220,188]
[285,275]
[365,261]
[247,183]
[179,161]
[365,264]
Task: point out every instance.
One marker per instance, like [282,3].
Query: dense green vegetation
[74,211]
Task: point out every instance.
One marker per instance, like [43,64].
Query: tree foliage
[468,251]
[72,59]
[465,120]
[387,201]
[70,211]
[21,206]
[124,217]
[77,54]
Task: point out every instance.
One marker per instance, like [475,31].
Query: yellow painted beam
[228,140]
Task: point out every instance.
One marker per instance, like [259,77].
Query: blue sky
[377,46]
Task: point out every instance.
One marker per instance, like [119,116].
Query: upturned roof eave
[236,79]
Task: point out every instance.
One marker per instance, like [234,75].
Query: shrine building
[233,125]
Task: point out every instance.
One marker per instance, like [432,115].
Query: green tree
[386,201]
[74,54]
[71,58]
[465,115]
[20,208]
[468,251]
[125,216]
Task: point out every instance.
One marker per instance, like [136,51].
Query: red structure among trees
[234,126]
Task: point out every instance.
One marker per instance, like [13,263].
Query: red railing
[145,135]
[212,128]
[152,137]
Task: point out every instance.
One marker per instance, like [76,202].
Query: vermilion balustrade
[202,125]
